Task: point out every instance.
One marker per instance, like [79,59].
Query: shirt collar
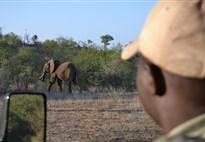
[194,126]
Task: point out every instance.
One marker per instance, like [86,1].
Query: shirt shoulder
[180,139]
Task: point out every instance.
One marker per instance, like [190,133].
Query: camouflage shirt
[191,131]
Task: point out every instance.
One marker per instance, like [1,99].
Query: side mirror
[25,119]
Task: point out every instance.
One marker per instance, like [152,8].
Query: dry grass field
[99,117]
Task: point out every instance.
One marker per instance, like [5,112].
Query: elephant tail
[72,73]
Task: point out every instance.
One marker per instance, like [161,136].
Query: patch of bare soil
[114,119]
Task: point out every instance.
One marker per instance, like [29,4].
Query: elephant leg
[69,86]
[77,85]
[50,85]
[60,84]
[51,82]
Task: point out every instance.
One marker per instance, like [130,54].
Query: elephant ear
[52,65]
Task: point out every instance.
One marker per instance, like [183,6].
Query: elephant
[62,72]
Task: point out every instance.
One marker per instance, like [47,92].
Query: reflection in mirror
[26,118]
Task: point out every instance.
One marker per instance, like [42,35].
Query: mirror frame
[5,111]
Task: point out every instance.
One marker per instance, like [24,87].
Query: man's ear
[160,85]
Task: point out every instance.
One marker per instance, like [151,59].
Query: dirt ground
[102,119]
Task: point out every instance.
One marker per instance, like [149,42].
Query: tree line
[22,60]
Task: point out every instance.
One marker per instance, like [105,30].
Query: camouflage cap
[173,38]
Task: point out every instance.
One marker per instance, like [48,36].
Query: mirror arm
[3,118]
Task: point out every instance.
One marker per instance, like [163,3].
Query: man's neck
[175,112]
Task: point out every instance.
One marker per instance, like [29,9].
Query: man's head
[169,98]
[172,65]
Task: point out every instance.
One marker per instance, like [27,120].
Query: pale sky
[81,20]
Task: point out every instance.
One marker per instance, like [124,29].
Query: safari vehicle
[23,117]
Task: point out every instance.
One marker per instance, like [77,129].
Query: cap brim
[130,50]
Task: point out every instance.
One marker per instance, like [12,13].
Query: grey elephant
[61,72]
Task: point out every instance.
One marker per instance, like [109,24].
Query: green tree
[35,39]
[13,40]
[1,35]
[88,63]
[8,48]
[89,41]
[105,39]
[22,67]
[68,48]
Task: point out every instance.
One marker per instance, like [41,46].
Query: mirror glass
[26,118]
